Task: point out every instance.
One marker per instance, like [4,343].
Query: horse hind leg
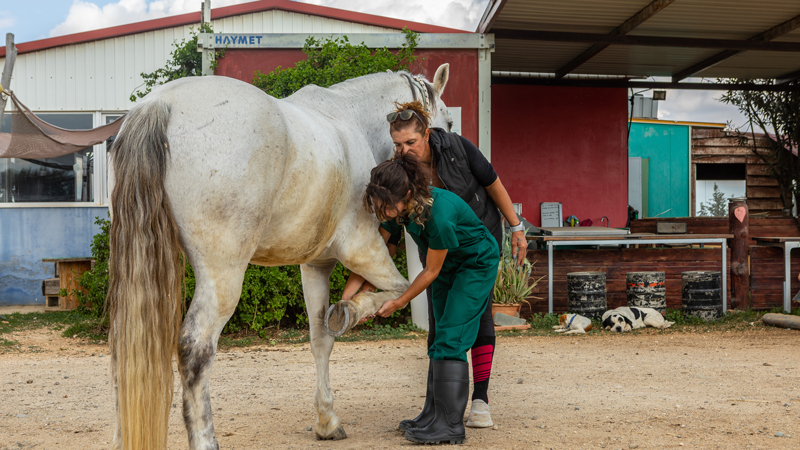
[316,291]
[216,295]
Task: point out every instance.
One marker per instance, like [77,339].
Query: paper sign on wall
[551,214]
[455,113]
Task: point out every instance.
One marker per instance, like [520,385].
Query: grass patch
[73,324]
[295,336]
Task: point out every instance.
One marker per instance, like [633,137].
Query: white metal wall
[102,75]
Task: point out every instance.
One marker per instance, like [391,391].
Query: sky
[31,20]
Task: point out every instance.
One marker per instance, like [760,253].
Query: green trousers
[459,300]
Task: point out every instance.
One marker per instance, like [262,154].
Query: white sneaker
[479,416]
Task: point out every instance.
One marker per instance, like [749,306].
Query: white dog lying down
[627,319]
[573,324]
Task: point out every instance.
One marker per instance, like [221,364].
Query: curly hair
[421,124]
[399,180]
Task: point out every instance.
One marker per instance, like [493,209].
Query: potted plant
[512,286]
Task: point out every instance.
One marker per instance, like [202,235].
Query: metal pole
[723,244]
[550,277]
[205,18]
[5,80]
[485,97]
[787,280]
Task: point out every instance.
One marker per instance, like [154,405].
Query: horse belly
[316,192]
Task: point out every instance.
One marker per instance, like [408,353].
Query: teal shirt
[452,226]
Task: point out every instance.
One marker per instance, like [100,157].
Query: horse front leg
[316,279]
[216,295]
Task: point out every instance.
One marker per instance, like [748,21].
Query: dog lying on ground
[626,319]
[573,324]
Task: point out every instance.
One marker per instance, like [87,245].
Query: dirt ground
[657,389]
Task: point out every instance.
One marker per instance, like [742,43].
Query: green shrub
[92,299]
[332,61]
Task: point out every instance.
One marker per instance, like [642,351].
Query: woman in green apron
[461,265]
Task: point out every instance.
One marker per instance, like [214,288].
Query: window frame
[100,175]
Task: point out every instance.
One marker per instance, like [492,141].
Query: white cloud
[6,21]
[85,15]
[698,106]
[462,14]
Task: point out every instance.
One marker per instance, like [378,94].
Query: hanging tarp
[33,138]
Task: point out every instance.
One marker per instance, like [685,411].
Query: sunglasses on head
[405,114]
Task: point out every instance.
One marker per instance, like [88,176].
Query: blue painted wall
[29,234]
[667,147]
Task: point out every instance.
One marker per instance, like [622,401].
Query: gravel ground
[653,389]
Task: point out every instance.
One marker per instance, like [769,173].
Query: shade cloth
[33,138]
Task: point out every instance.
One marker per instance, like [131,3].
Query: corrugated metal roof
[706,19]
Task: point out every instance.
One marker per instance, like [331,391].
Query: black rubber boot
[451,385]
[426,416]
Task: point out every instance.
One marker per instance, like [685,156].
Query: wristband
[518,227]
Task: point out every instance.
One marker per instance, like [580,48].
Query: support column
[205,18]
[8,69]
[739,222]
[485,97]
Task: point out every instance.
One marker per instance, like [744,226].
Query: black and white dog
[627,319]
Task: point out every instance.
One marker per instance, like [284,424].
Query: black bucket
[647,290]
[587,294]
[701,294]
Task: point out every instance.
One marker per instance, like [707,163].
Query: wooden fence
[766,273]
[616,263]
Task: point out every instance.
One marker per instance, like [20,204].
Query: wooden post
[739,222]
[5,80]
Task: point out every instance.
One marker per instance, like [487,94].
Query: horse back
[250,172]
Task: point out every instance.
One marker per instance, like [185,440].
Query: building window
[715,185]
[68,178]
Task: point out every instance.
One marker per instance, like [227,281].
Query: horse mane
[357,84]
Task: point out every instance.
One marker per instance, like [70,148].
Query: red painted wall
[461,89]
[562,144]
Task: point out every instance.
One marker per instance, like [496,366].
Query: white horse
[216,169]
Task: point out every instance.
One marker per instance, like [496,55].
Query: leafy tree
[777,114]
[185,61]
[717,207]
[335,60]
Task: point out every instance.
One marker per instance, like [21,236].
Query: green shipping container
[664,149]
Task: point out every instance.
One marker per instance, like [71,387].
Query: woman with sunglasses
[461,266]
[451,162]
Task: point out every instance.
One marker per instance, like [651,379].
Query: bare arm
[356,283]
[433,264]
[498,193]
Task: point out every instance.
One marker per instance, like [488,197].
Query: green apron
[461,290]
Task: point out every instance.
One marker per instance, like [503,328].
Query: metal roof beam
[371,40]
[772,33]
[490,15]
[625,84]
[789,77]
[646,41]
[632,22]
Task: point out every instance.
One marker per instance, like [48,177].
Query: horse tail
[145,274]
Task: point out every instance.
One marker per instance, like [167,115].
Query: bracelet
[518,227]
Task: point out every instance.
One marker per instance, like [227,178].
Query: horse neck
[363,104]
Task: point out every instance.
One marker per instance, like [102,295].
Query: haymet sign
[241,39]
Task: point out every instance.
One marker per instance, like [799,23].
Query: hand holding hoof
[340,318]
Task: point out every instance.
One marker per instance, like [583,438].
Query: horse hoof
[337,319]
[338,435]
